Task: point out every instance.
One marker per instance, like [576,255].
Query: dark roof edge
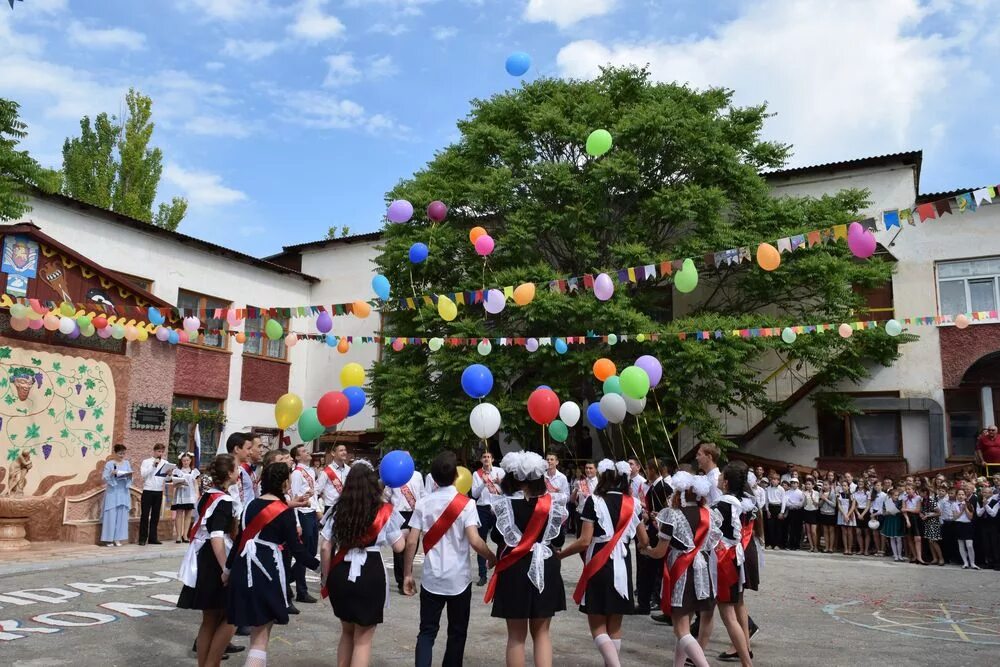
[936,196]
[907,157]
[322,243]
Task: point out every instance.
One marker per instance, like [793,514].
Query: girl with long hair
[912,504]
[527,586]
[846,516]
[737,565]
[964,532]
[258,593]
[862,500]
[611,519]
[828,515]
[184,479]
[361,523]
[930,512]
[204,571]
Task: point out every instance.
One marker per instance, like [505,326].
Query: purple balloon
[653,368]
[604,288]
[400,211]
[76,331]
[324,323]
[862,243]
[162,334]
[531,344]
[437,211]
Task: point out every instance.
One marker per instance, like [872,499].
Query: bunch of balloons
[481,241]
[624,394]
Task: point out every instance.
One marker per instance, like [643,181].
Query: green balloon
[435,344]
[273,330]
[635,382]
[613,385]
[788,335]
[309,426]
[598,143]
[687,278]
[83,322]
[559,431]
[612,339]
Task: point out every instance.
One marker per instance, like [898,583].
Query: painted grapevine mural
[56,419]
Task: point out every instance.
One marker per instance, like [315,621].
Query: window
[182,427]
[260,345]
[968,286]
[877,434]
[136,281]
[205,305]
[964,410]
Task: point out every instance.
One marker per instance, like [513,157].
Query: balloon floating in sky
[437,211]
[518,63]
[477,381]
[418,252]
[484,420]
[399,211]
[598,143]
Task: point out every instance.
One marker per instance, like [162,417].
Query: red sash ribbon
[334,479]
[408,495]
[531,533]
[306,475]
[728,569]
[683,562]
[550,486]
[488,481]
[260,522]
[445,521]
[381,518]
[210,498]
[602,556]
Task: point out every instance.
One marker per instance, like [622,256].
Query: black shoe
[142,543]
[243,631]
[400,588]
[224,657]
[754,630]
[482,581]
[233,648]
[194,646]
[732,657]
[293,610]
[305,597]
[662,619]
[694,628]
[155,542]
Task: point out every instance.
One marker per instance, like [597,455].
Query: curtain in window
[875,434]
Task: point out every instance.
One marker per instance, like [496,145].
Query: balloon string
[416,301]
[627,444]
[673,452]
[642,445]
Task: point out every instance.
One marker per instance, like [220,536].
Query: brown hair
[712,450]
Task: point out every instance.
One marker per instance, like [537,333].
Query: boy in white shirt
[450,523]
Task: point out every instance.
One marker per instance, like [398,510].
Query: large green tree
[112,165]
[682,179]
[18,171]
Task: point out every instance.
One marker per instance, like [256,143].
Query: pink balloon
[485,245]
[845,331]
[437,211]
[862,243]
[604,287]
[162,334]
[397,344]
[19,323]
[232,317]
[291,340]
[104,333]
[36,324]
[854,228]
[183,336]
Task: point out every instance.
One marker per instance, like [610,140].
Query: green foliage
[17,169]
[112,165]
[333,232]
[204,417]
[682,180]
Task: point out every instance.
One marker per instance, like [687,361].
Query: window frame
[134,280]
[190,425]
[966,280]
[203,306]
[285,323]
[978,412]
[848,444]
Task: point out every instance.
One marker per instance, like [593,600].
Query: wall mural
[56,417]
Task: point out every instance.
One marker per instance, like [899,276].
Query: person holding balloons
[404,498]
[485,489]
[448,521]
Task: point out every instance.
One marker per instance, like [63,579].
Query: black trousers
[431,606]
[149,515]
[647,590]
[310,539]
[398,558]
[487,522]
[794,525]
[992,534]
[774,528]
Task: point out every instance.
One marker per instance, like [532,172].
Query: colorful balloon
[191,324]
[435,344]
[396,469]
[274,330]
[961,321]
[21,323]
[613,408]
[635,406]
[560,346]
[604,287]
[687,278]
[361,309]
[612,339]
[558,431]
[355,399]
[531,345]
[437,211]
[475,233]
[66,325]
[331,340]
[788,335]
[332,408]
[154,316]
[484,420]
[352,375]
[447,308]
[399,211]
[494,301]
[518,63]
[613,385]
[653,368]
[634,382]
[287,410]
[418,252]
[291,340]
[604,368]
[598,143]
[324,322]
[595,418]
[477,381]
[524,294]
[569,413]
[343,346]
[768,257]
[485,245]
[484,348]
[893,328]
[845,331]
[463,480]
[380,285]
[543,406]
[309,426]
[860,241]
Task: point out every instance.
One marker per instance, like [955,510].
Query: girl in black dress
[360,524]
[732,565]
[528,590]
[608,593]
[203,570]
[258,588]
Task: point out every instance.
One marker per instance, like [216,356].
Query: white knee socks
[256,658]
[897,547]
[618,645]
[961,552]
[972,553]
[687,647]
[606,646]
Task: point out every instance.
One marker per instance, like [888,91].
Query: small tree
[17,169]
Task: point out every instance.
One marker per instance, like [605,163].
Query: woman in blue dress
[117,500]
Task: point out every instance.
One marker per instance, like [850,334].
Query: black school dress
[699,587]
[602,598]
[729,569]
[208,593]
[751,555]
[257,586]
[516,595]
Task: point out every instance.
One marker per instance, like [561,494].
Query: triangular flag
[982,195]
[890,218]
[926,212]
[965,202]
[942,207]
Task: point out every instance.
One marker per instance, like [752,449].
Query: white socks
[618,645]
[968,553]
[256,658]
[606,646]
[897,547]
[687,647]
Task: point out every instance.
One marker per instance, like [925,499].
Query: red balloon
[100,322]
[543,406]
[332,408]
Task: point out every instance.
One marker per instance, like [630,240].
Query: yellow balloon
[524,294]
[352,375]
[447,308]
[464,480]
[143,334]
[287,410]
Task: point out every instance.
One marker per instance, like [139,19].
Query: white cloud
[390,29]
[201,188]
[399,7]
[249,49]
[218,126]
[344,70]
[328,112]
[226,10]
[312,24]
[214,66]
[565,13]
[845,79]
[105,38]
[442,33]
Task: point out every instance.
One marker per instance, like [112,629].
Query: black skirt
[208,593]
[751,566]
[602,598]
[361,601]
[916,527]
[517,597]
[182,506]
[690,604]
[263,603]
[810,517]
[827,519]
[964,531]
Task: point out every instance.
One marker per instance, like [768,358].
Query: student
[687,579]
[828,515]
[738,513]
[963,530]
[117,478]
[304,484]
[636,482]
[846,515]
[775,517]
[892,524]
[485,488]
[810,515]
[449,524]
[258,591]
[795,501]
[862,499]
[526,588]
[912,502]
[611,518]
[556,482]
[152,495]
[404,498]
[204,571]
[360,525]
[583,489]
[878,497]
[930,513]
[650,570]
[989,514]
[246,450]
[946,504]
[184,479]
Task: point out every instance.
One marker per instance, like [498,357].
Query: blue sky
[280,118]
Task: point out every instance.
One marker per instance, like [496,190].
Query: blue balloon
[381,284]
[331,340]
[543,386]
[155,317]
[418,252]
[477,381]
[561,346]
[356,400]
[518,63]
[594,416]
[396,469]
[174,338]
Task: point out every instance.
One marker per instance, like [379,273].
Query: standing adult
[708,461]
[303,484]
[404,500]
[153,480]
[988,447]
[329,487]
[184,480]
[556,482]
[246,450]
[650,570]
[117,499]
[486,489]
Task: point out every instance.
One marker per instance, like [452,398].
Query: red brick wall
[202,372]
[264,380]
[960,348]
[153,373]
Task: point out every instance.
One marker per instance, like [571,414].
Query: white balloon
[635,406]
[66,325]
[484,348]
[494,301]
[485,420]
[569,413]
[191,324]
[613,408]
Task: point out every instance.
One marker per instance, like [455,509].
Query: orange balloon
[524,294]
[475,233]
[361,309]
[604,368]
[768,257]
[241,338]
[343,346]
